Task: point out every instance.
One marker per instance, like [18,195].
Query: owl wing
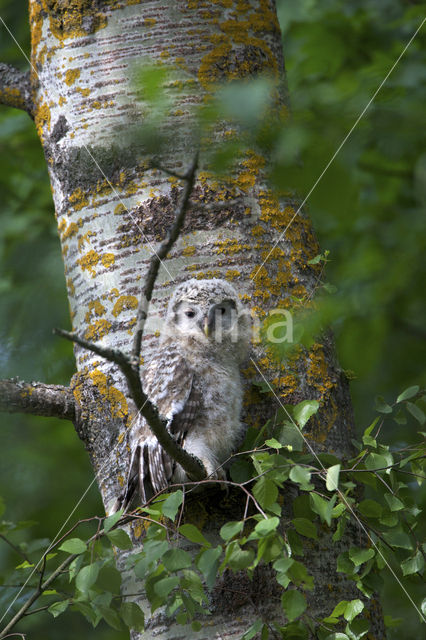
[168,383]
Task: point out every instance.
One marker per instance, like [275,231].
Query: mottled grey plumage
[194,380]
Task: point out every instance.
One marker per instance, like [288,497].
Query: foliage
[368,213]
[328,501]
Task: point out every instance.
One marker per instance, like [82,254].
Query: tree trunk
[112,211]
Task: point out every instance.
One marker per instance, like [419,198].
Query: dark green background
[368,211]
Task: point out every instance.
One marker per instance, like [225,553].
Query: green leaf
[301,476]
[253,630]
[193,534]
[75,567]
[357,628]
[305,527]
[266,526]
[359,556]
[382,406]
[241,470]
[110,521]
[175,559]
[192,583]
[294,604]
[300,576]
[265,491]
[208,563]
[339,609]
[413,565]
[376,461]
[164,586]
[132,616]
[416,412]
[316,260]
[73,546]
[344,564]
[337,636]
[353,609]
[110,616]
[153,550]
[109,579]
[322,507]
[24,565]
[408,393]
[392,622]
[394,503]
[239,559]
[304,410]
[171,504]
[398,539]
[58,607]
[332,479]
[87,577]
[370,508]
[290,436]
[120,539]
[274,444]
[231,529]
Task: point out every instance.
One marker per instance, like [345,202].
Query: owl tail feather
[150,472]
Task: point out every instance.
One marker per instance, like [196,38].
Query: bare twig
[157,258]
[129,365]
[15,548]
[37,398]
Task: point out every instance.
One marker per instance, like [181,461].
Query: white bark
[113,210]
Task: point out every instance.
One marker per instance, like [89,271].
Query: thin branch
[37,593]
[193,467]
[158,257]
[15,88]
[154,164]
[37,398]
[129,365]
[15,548]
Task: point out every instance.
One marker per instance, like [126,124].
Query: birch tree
[116,197]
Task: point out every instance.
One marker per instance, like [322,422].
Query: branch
[37,593]
[158,257]
[37,398]
[193,467]
[15,88]
[129,365]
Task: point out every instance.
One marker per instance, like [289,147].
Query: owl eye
[190,314]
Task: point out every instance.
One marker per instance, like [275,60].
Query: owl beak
[206,327]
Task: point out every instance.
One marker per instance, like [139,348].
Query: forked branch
[129,364]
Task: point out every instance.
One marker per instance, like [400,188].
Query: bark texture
[49,400]
[15,88]
[113,210]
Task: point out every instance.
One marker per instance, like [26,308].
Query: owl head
[208,313]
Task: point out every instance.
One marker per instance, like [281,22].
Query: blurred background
[368,211]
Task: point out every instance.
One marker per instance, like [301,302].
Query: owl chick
[194,380]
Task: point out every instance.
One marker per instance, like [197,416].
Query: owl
[194,380]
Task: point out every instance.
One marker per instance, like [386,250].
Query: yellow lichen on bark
[97,330]
[123,304]
[116,399]
[71,75]
[12,96]
[89,261]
